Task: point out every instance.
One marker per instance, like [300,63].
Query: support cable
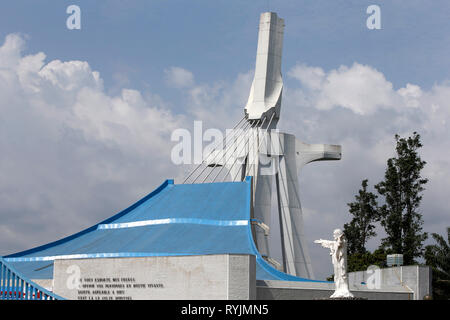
[232,166]
[267,128]
[254,124]
[245,127]
[254,167]
[215,147]
[236,152]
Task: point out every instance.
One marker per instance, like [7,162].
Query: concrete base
[216,277]
[395,283]
[416,279]
[290,290]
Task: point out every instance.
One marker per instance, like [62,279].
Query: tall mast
[267,86]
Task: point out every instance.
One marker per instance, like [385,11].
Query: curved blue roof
[185,219]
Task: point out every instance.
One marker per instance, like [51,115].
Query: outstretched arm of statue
[325,243]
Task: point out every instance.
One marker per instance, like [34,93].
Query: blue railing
[14,286]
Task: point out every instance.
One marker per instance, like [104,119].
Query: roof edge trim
[94,227]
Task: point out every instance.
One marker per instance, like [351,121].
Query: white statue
[338,252]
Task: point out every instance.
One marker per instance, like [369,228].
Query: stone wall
[414,278]
[290,290]
[203,277]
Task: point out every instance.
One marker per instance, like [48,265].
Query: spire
[267,86]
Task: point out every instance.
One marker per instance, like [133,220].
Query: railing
[14,286]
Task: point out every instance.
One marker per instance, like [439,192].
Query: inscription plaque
[176,277]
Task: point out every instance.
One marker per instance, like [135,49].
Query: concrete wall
[414,278]
[216,277]
[203,277]
[289,290]
[395,283]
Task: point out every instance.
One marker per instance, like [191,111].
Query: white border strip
[90,256]
[224,223]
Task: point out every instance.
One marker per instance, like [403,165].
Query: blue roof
[185,219]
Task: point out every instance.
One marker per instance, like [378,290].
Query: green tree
[362,261]
[402,190]
[438,257]
[361,228]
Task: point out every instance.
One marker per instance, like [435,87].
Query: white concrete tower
[270,157]
[267,86]
[264,104]
[271,154]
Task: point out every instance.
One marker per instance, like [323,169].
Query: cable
[267,128]
[260,143]
[224,155]
[231,168]
[196,168]
[210,153]
[235,176]
[214,158]
[254,124]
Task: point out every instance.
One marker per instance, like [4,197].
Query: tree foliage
[362,261]
[361,228]
[402,191]
[438,257]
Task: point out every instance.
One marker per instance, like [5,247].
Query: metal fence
[14,286]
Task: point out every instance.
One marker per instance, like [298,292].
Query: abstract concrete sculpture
[267,86]
[257,149]
[338,252]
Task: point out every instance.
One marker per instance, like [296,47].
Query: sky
[86,115]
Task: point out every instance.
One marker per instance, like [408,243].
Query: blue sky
[217,39]
[56,133]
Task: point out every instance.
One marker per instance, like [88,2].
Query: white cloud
[359,88]
[310,77]
[71,154]
[179,77]
[411,95]
[358,108]
[11,50]
[221,104]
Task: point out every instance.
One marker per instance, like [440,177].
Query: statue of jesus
[338,252]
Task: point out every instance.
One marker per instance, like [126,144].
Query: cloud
[178,77]
[411,95]
[358,108]
[71,154]
[11,50]
[221,104]
[359,88]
